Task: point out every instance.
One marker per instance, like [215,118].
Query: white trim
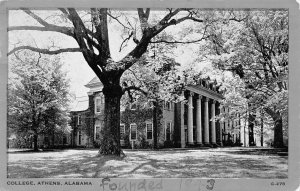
[130,131]
[147,123]
[79,117]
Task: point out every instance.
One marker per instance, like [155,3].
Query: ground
[205,163]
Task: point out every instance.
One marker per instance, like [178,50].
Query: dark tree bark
[262,130]
[110,144]
[35,142]
[278,133]
[251,121]
[155,124]
[98,39]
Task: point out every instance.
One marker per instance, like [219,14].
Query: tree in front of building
[38,96]
[256,50]
[90,31]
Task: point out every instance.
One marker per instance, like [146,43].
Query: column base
[199,144]
[207,145]
[220,144]
[215,145]
[191,143]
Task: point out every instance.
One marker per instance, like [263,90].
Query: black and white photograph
[147,94]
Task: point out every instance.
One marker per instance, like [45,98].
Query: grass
[210,163]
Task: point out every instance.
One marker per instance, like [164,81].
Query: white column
[190,119]
[198,121]
[221,125]
[206,122]
[213,123]
[182,131]
[226,123]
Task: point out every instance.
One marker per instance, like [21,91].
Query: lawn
[208,163]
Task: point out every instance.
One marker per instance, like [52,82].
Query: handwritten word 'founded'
[145,185]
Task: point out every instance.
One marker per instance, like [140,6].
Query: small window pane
[122,131]
[98,129]
[133,132]
[149,130]
[98,105]
[79,120]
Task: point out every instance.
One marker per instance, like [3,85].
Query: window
[79,137]
[102,100]
[168,131]
[78,120]
[149,130]
[168,105]
[98,129]
[133,131]
[122,131]
[98,105]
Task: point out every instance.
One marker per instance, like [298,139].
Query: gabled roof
[94,82]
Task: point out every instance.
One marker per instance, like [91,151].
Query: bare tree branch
[65,30]
[180,42]
[125,41]
[45,51]
[115,18]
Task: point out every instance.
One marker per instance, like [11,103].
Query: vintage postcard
[149,95]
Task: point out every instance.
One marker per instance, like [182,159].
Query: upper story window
[79,120]
[122,131]
[98,105]
[133,131]
[149,130]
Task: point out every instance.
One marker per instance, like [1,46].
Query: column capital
[206,99]
[214,101]
[191,94]
[200,97]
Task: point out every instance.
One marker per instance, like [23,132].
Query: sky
[78,70]
[76,67]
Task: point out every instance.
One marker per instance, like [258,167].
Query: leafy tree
[90,30]
[38,96]
[256,50]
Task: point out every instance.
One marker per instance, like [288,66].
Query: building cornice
[205,92]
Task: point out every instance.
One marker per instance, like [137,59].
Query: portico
[198,126]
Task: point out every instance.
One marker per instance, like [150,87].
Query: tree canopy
[38,96]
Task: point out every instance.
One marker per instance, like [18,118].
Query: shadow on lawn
[71,165]
[255,151]
[89,165]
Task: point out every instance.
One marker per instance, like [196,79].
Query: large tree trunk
[251,121]
[262,130]
[35,142]
[155,124]
[278,133]
[110,143]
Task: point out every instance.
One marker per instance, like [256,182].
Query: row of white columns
[190,124]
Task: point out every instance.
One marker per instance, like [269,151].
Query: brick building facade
[189,123]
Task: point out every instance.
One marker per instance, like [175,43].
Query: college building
[190,123]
